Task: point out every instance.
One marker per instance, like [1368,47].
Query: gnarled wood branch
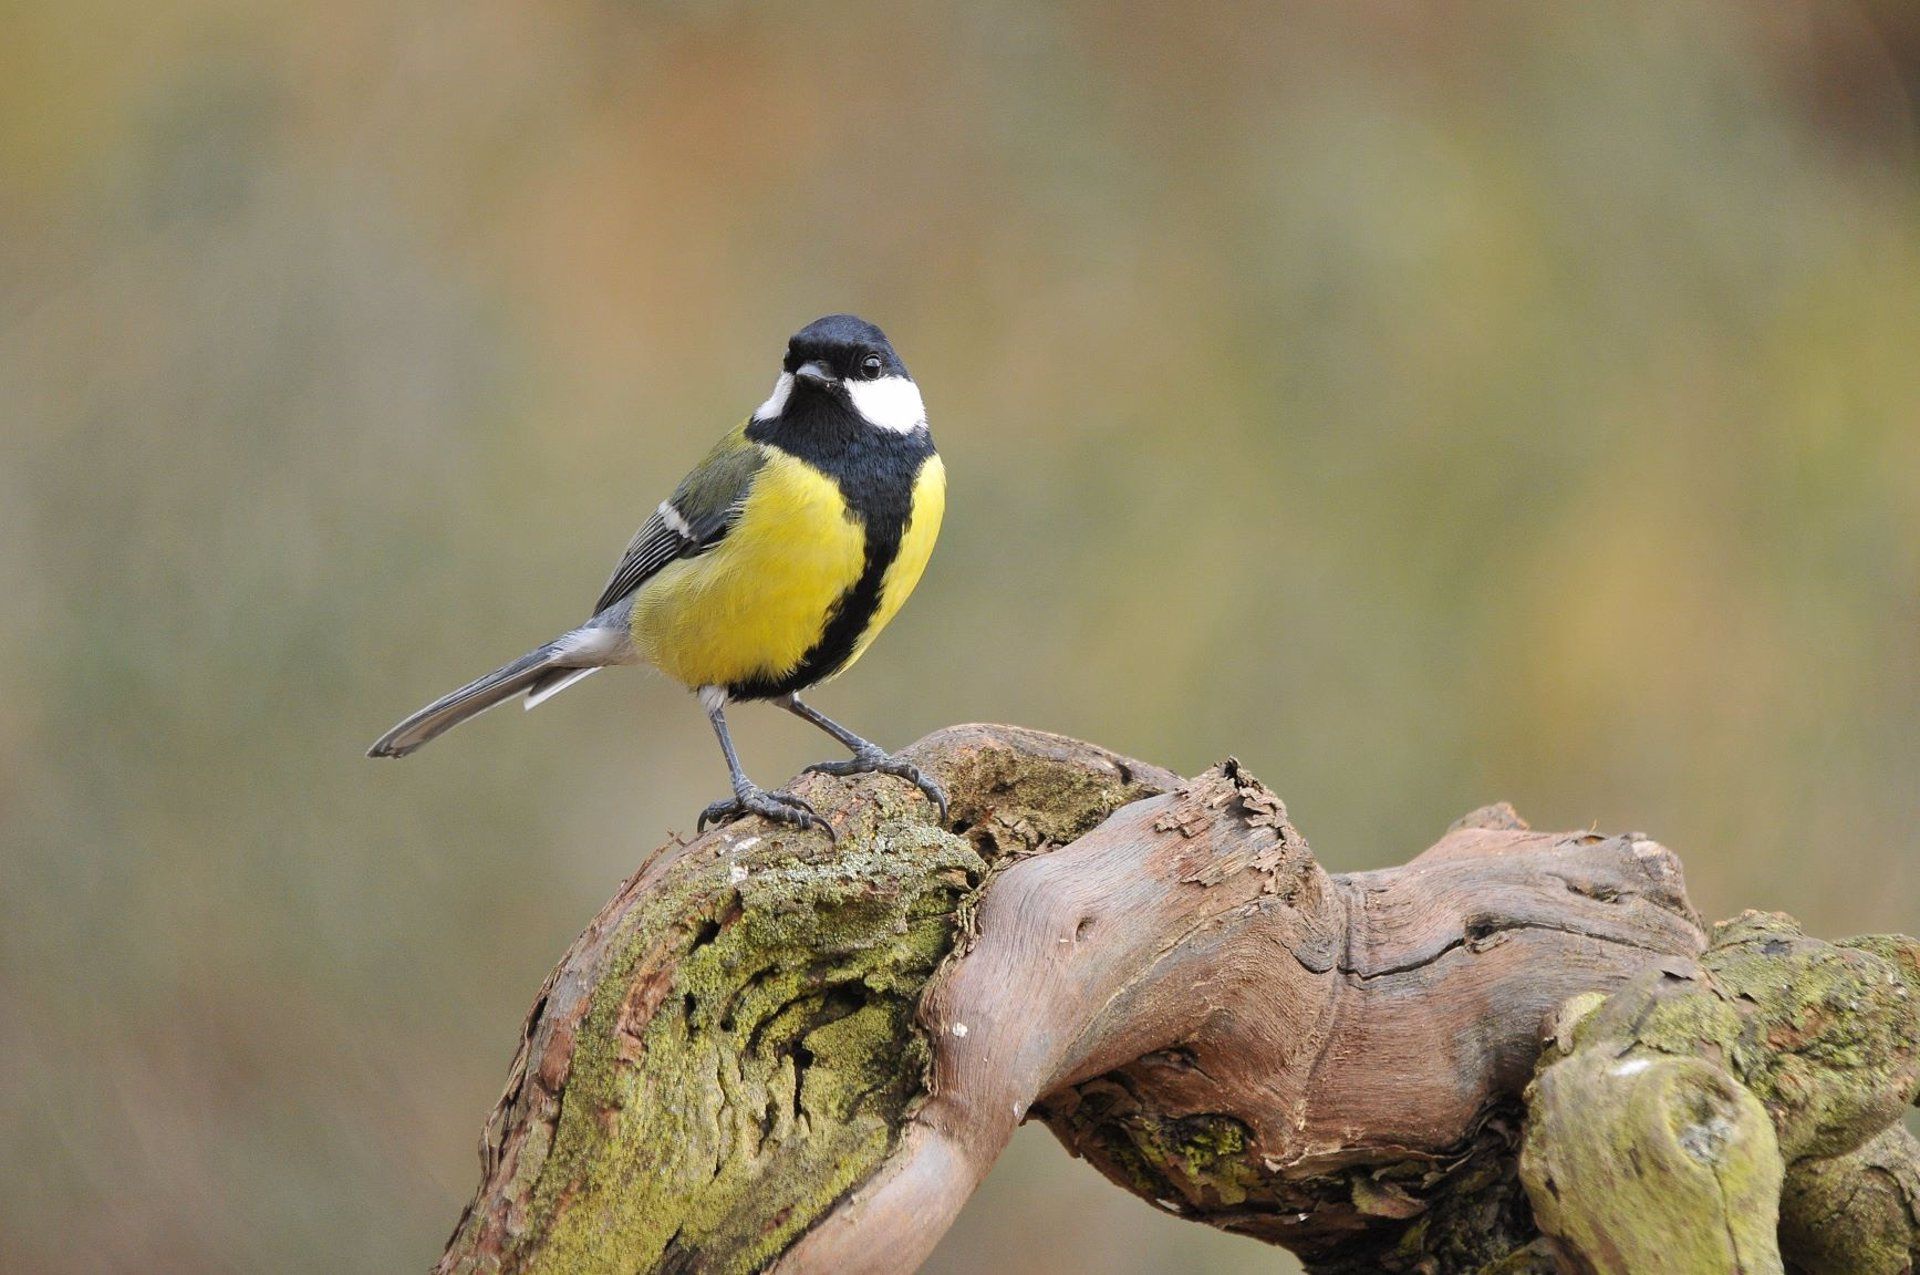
[771,1052]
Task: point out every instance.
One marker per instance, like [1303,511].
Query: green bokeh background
[1427,403]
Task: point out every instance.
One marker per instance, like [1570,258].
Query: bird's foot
[779,807]
[875,762]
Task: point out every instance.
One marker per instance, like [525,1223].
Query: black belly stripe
[875,471]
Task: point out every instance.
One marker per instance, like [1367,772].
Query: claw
[879,763]
[778,807]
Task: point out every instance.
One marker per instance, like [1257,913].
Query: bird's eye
[870,367]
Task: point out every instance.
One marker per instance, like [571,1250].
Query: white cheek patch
[892,402]
[777,401]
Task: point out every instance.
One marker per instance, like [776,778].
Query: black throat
[876,470]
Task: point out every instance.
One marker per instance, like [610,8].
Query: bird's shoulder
[721,478]
[694,518]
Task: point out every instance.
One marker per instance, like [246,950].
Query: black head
[844,347]
[842,369]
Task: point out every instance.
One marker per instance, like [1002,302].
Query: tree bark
[772,1052]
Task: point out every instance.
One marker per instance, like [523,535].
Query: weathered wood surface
[1666,1121]
[767,1051]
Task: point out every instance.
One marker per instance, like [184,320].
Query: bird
[770,569]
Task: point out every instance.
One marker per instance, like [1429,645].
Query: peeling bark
[770,1052]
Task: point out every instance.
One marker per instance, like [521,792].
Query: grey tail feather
[471,700]
[555,680]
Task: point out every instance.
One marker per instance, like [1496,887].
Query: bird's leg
[748,797]
[868,758]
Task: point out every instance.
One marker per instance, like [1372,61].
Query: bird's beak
[815,373]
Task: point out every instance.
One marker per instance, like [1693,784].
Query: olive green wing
[702,509]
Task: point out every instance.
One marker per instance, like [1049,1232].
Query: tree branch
[767,1050]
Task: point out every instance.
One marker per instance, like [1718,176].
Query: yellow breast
[916,546]
[753,605]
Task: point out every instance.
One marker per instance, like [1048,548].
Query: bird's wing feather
[702,509]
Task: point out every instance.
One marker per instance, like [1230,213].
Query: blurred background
[1428,403]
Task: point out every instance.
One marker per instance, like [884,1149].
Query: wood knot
[1498,817]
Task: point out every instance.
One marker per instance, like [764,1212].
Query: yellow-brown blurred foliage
[1428,403]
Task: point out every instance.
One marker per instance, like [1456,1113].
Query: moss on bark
[730,1054]
[1664,1120]
[1858,1212]
[738,1045]
[775,1062]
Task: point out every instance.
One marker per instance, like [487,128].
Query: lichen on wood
[1857,1212]
[774,1052]
[732,1045]
[1667,1119]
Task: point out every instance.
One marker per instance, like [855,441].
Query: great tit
[771,567]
